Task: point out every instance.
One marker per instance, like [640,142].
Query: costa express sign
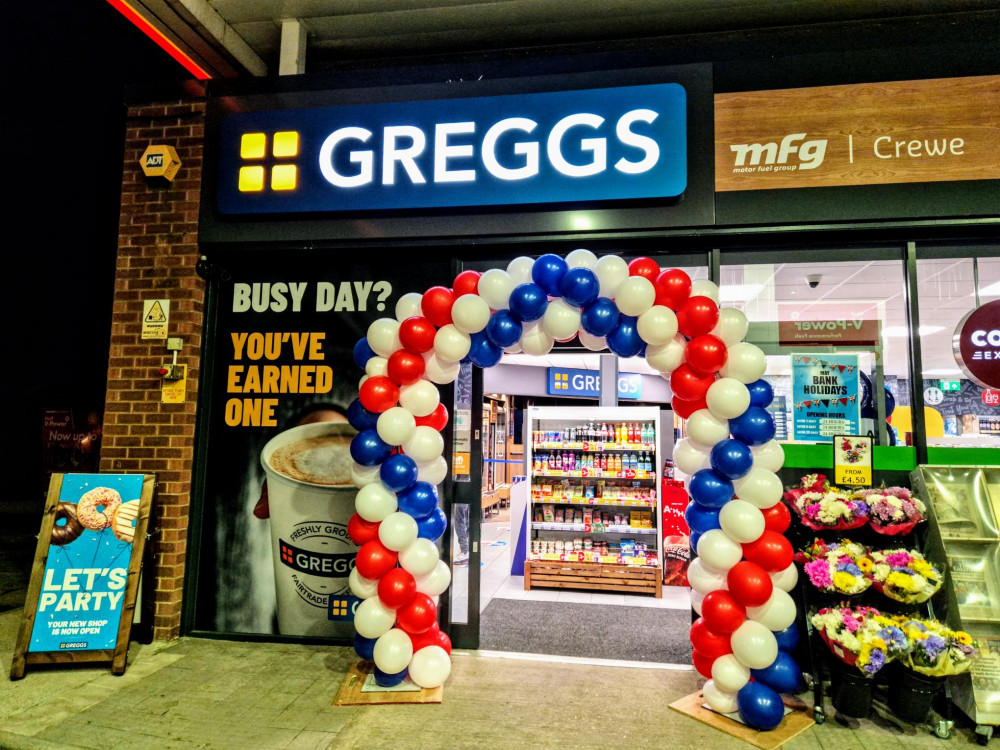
[977,345]
[585,145]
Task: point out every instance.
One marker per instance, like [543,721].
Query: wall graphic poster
[778,409]
[825,396]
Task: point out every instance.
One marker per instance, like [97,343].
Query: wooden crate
[629,579]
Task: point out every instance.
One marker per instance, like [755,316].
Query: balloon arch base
[797,719]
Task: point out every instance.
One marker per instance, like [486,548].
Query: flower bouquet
[838,567]
[935,649]
[893,510]
[861,637]
[825,508]
[905,575]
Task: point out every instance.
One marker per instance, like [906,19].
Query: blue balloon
[419,501]
[384,679]
[503,329]
[761,393]
[783,675]
[433,526]
[890,402]
[548,272]
[600,317]
[693,542]
[579,286]
[867,403]
[701,519]
[788,638]
[528,302]
[360,418]
[483,352]
[368,449]
[625,340]
[760,706]
[362,352]
[732,458]
[710,488]
[364,647]
[398,472]
[754,426]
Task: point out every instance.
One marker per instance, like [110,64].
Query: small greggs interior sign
[864,134]
[585,145]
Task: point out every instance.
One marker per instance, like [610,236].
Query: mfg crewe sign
[584,145]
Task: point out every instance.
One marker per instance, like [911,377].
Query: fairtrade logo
[254,148]
[774,156]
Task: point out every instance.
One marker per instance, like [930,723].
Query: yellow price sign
[852,460]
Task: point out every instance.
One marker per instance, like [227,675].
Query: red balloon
[685,408]
[436,419]
[673,287]
[708,643]
[697,316]
[777,518]
[374,560]
[416,334]
[417,616]
[749,584]
[436,305]
[687,384]
[466,282]
[362,531]
[706,354]
[378,393]
[772,551]
[443,641]
[646,267]
[397,588]
[721,612]
[405,368]
[703,663]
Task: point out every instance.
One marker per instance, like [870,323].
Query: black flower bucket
[850,691]
[912,694]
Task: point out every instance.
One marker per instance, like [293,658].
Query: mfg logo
[774,156]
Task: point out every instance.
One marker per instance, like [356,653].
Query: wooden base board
[794,723]
[594,576]
[351,694]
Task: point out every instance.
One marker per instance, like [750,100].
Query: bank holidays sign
[584,145]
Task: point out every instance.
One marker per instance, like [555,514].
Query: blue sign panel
[585,145]
[825,396]
[587,383]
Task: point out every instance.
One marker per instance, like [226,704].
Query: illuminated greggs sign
[585,145]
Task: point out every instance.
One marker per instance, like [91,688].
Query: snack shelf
[592,528]
[590,557]
[597,474]
[595,447]
[616,502]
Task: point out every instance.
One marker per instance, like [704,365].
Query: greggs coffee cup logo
[976,345]
[791,153]
[323,564]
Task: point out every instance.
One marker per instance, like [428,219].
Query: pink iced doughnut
[87,509]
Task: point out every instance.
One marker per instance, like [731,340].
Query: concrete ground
[196,693]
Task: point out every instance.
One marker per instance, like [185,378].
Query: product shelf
[594,559]
[614,502]
[592,528]
[595,447]
[597,474]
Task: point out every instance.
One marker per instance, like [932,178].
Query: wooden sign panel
[940,130]
[82,593]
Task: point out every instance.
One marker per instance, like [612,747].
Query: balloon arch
[743,569]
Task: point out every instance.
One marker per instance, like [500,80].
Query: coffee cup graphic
[311,499]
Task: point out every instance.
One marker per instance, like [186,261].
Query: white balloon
[535,340]
[728,674]
[581,258]
[396,425]
[745,362]
[611,271]
[495,287]
[420,398]
[519,270]
[393,651]
[375,501]
[410,305]
[727,398]
[703,579]
[770,455]
[397,531]
[718,551]
[561,320]
[732,326]
[362,381]
[373,619]
[760,487]
[741,521]
[361,587]
[706,429]
[689,457]
[433,472]
[657,326]
[420,558]
[786,579]
[451,344]
[470,314]
[635,295]
[376,366]
[705,288]
[436,582]
[777,613]
[665,358]
[593,343]
[696,599]
[425,445]
[440,371]
[515,349]
[718,700]
[364,475]
[753,645]
[430,667]
[383,336]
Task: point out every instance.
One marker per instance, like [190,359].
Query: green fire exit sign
[951,385]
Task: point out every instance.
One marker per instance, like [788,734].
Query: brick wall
[157,254]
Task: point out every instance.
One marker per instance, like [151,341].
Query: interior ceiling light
[942,371]
[900,331]
[993,290]
[158,36]
[739,292]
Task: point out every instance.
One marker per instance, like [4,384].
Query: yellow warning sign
[155,318]
[174,391]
